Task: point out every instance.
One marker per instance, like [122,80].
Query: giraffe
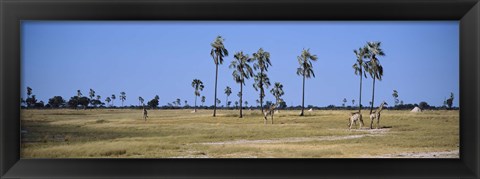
[145,114]
[376,115]
[354,117]
[270,111]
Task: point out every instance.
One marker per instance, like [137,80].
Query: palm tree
[123,97]
[198,86]
[262,82]
[179,102]
[344,101]
[246,104]
[203,100]
[395,97]
[359,70]
[228,91]
[91,94]
[79,93]
[29,92]
[140,100]
[113,99]
[373,66]
[218,52]
[305,70]
[277,91]
[242,71]
[108,100]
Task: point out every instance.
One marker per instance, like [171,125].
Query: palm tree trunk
[261,91]
[241,96]
[360,98]
[195,103]
[215,99]
[226,102]
[261,99]
[373,96]
[303,94]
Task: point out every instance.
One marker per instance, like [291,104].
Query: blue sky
[148,58]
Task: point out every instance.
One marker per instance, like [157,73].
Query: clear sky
[148,58]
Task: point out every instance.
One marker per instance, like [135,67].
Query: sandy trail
[371,132]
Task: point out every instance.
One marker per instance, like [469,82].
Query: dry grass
[122,133]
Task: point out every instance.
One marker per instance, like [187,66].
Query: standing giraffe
[145,114]
[376,115]
[354,117]
[270,111]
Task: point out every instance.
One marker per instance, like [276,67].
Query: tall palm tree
[262,82]
[123,97]
[277,91]
[218,52]
[242,71]
[305,70]
[113,99]
[359,70]
[79,93]
[228,91]
[203,100]
[375,69]
[198,86]
[140,101]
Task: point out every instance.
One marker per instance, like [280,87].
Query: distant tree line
[94,101]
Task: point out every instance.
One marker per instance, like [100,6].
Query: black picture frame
[467,12]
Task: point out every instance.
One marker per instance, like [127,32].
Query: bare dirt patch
[371,132]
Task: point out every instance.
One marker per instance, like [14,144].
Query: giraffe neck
[381,107]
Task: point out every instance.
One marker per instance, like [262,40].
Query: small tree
[344,101]
[278,92]
[140,101]
[450,101]
[395,97]
[108,100]
[423,105]
[203,100]
[123,97]
[56,101]
[113,99]
[228,91]
[178,102]
[198,86]
[154,102]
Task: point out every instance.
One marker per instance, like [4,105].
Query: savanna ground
[122,133]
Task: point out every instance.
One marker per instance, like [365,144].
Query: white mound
[416,109]
[310,110]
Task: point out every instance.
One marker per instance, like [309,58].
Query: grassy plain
[122,133]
